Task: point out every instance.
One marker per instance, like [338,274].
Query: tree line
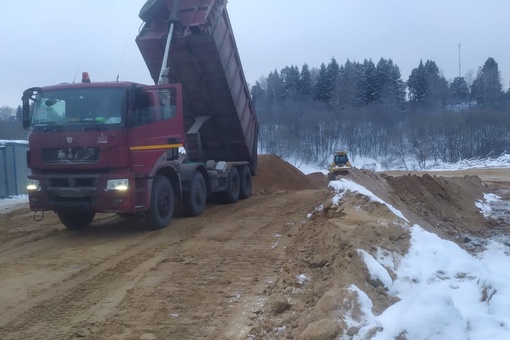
[367,109]
[370,111]
[10,123]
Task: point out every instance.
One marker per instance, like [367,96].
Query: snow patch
[343,185]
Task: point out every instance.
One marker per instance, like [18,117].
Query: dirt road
[261,268]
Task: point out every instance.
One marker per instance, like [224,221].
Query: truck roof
[92,84]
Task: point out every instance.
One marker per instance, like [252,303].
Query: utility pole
[458,94]
[459,60]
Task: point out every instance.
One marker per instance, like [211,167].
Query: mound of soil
[324,254]
[444,205]
[275,174]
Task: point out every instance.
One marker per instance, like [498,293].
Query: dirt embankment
[277,265]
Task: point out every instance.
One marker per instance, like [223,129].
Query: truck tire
[246,183]
[161,208]
[233,186]
[194,200]
[76,220]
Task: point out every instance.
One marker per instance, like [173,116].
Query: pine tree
[305,83]
[349,92]
[367,84]
[390,89]
[426,86]
[487,88]
[417,84]
[290,79]
[322,86]
[275,89]
[19,114]
[257,93]
[332,73]
[459,91]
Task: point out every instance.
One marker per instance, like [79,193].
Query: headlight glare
[117,184]
[33,185]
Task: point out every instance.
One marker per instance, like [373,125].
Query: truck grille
[71,155]
[72,182]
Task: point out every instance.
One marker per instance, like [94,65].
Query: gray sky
[44,42]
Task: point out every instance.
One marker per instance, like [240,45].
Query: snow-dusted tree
[417,84]
[305,83]
[275,89]
[459,90]
[487,88]
[332,74]
[19,114]
[290,79]
[6,113]
[257,93]
[322,86]
[367,84]
[348,93]
[426,86]
[390,89]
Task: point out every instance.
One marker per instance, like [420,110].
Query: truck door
[156,125]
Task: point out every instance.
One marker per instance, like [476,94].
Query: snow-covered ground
[13,202]
[5,141]
[503,161]
[445,292]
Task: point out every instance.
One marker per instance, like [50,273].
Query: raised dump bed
[203,57]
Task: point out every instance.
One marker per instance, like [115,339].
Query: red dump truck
[128,148]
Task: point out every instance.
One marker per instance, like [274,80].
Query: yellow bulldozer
[340,165]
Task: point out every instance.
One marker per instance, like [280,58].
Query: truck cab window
[78,107]
[165,102]
[143,109]
[152,107]
[49,110]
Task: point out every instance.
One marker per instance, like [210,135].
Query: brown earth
[276,265]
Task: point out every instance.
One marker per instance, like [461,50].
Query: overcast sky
[45,42]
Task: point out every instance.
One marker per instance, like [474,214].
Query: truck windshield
[78,105]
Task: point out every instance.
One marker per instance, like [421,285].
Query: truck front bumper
[82,192]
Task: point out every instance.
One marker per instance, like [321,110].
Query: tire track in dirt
[55,312]
[213,283]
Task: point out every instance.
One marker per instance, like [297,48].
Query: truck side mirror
[27,96]
[26,117]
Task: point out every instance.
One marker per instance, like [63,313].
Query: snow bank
[343,185]
[445,292]
[11,203]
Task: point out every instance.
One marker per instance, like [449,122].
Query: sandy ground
[258,269]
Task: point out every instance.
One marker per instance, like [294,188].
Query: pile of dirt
[323,260]
[275,174]
[443,205]
[324,255]
[447,205]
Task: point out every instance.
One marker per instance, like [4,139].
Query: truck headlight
[33,185]
[117,184]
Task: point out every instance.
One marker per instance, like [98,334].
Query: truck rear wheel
[76,220]
[233,186]
[194,200]
[161,209]
[246,183]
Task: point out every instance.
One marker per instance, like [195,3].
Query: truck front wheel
[233,186]
[246,183]
[194,200]
[75,220]
[161,208]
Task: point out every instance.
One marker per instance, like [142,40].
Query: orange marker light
[85,77]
